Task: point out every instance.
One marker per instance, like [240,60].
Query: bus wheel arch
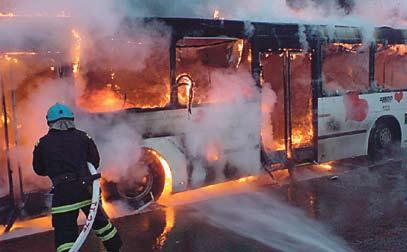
[384,137]
[174,162]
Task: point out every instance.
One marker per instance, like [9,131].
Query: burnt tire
[384,140]
[139,191]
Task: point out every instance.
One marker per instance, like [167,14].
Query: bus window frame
[373,88]
[174,102]
[374,81]
[371,60]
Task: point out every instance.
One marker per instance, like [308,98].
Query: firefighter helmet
[59,111]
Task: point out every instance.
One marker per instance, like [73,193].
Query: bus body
[199,100]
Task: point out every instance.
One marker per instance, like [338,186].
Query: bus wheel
[384,140]
[137,189]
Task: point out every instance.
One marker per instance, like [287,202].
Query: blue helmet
[59,111]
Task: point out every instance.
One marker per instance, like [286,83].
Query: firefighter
[62,155]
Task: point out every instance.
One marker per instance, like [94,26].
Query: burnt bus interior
[115,81]
[24,66]
[298,62]
[197,59]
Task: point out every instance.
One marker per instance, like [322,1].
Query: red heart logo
[356,108]
[398,96]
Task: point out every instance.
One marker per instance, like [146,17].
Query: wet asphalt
[366,206]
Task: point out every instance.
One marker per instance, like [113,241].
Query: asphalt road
[364,209]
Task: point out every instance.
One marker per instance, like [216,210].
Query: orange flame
[204,193]
[20,53]
[169,225]
[104,100]
[2,120]
[62,14]
[167,171]
[213,152]
[326,166]
[37,223]
[353,48]
[301,136]
[247,179]
[399,49]
[10,14]
[76,52]
[12,56]
[216,14]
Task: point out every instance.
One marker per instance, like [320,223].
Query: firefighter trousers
[64,221]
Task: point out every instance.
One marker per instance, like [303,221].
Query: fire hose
[92,211]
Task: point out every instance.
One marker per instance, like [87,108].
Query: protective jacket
[64,152]
[63,155]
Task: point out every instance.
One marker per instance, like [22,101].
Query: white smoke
[96,22]
[303,37]
[105,15]
[360,13]
[357,12]
[268,101]
[101,16]
[391,13]
[119,145]
[31,115]
[235,117]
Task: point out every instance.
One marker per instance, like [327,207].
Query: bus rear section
[362,107]
[332,96]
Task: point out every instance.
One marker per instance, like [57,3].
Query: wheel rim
[385,137]
[137,189]
[152,181]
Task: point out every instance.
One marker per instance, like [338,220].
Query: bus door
[288,128]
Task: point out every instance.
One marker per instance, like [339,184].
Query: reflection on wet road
[363,210]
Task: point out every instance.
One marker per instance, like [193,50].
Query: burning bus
[177,103]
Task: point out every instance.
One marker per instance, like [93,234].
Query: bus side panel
[341,147]
[213,144]
[340,134]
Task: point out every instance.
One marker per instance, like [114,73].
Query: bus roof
[277,32]
[52,32]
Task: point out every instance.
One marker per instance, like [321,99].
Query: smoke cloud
[356,12]
[233,119]
[35,77]
[268,101]
[118,142]
[105,15]
[119,146]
